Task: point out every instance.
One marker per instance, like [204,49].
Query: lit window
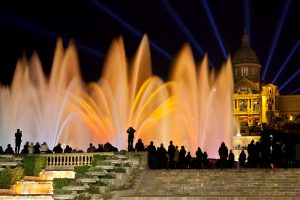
[244,71]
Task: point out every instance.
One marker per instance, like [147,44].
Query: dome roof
[245,54]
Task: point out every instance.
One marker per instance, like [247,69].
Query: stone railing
[70,160]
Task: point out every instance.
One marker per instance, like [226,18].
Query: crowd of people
[264,155]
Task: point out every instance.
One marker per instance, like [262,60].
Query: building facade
[254,102]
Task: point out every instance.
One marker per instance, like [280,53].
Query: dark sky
[35,25]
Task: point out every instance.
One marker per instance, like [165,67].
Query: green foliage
[93,190]
[100,183]
[81,170]
[62,191]
[83,197]
[33,164]
[108,176]
[9,176]
[97,159]
[59,183]
[119,170]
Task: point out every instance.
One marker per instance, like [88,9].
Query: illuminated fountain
[192,109]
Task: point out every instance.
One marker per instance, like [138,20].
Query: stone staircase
[219,184]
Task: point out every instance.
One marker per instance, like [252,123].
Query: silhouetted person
[242,159]
[36,148]
[91,148]
[276,155]
[1,150]
[182,153]
[44,147]
[25,148]
[109,148]
[139,146]
[223,153]
[162,158]
[18,138]
[176,157]
[68,149]
[30,148]
[9,149]
[58,148]
[199,158]
[205,160]
[130,132]
[171,153]
[257,153]
[100,148]
[188,160]
[251,154]
[152,155]
[231,160]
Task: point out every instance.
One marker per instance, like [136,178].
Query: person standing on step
[130,132]
[171,153]
[18,138]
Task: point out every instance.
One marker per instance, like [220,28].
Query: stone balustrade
[70,160]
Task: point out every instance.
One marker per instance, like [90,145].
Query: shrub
[59,183]
[33,164]
[83,197]
[62,191]
[97,159]
[9,176]
[93,190]
[100,183]
[81,170]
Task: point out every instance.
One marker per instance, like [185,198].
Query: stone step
[258,182]
[231,197]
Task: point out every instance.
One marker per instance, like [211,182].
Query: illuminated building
[254,102]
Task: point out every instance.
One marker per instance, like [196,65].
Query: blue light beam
[295,91]
[287,60]
[247,17]
[290,79]
[129,27]
[277,34]
[214,27]
[184,28]
[31,28]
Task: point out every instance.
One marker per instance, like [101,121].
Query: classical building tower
[253,103]
[246,68]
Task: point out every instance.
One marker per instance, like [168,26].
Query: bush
[81,170]
[59,183]
[33,164]
[98,159]
[83,197]
[62,191]
[93,190]
[9,177]
[100,183]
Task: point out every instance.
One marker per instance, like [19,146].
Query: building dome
[245,54]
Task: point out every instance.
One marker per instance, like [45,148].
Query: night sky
[27,26]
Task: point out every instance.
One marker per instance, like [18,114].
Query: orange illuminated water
[193,108]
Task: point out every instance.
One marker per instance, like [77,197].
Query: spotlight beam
[247,18]
[290,79]
[214,27]
[295,91]
[172,13]
[129,27]
[31,28]
[287,60]
[277,34]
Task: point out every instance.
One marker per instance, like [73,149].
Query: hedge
[9,177]
[33,164]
